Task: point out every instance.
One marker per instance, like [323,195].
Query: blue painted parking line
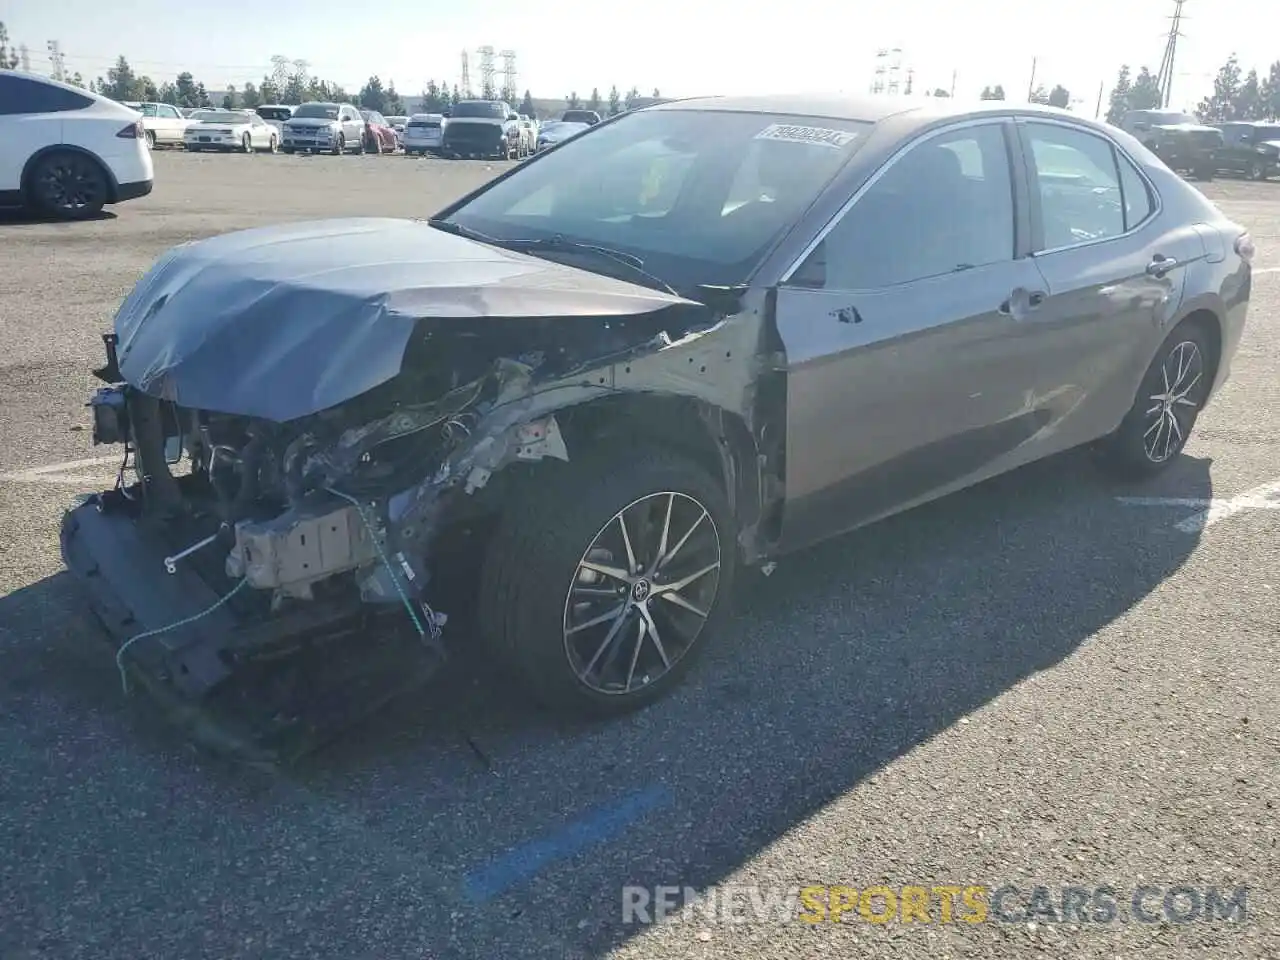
[525,861]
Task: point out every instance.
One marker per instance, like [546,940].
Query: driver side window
[1079,185]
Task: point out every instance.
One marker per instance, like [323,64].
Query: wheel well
[715,439]
[28,171]
[1208,323]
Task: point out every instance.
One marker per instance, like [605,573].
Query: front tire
[585,630]
[273,146]
[68,186]
[340,145]
[151,139]
[1169,400]
[246,144]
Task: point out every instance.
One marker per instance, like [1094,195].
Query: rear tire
[68,185]
[1164,412]
[534,563]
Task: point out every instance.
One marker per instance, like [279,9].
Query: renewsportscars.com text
[937,903]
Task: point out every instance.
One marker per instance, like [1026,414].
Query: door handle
[1160,265]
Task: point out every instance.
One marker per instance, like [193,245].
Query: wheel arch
[716,439]
[29,168]
[1203,315]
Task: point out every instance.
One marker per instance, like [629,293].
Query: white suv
[66,152]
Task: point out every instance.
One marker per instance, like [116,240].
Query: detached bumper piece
[246,682]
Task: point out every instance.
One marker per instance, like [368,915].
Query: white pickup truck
[163,123]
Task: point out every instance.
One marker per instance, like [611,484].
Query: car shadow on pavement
[18,217]
[850,655]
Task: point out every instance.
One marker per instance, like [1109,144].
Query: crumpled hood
[281,322]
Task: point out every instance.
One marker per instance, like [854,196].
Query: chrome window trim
[998,121]
[1157,206]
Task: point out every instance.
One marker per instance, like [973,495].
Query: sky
[682,48]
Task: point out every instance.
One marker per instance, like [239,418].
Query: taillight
[1245,248]
[132,132]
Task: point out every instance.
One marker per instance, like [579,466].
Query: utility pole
[1165,77]
[1097,111]
[58,60]
[953,84]
[1031,85]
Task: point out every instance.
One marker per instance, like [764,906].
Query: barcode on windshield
[794,133]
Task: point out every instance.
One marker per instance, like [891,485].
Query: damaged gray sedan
[579,399]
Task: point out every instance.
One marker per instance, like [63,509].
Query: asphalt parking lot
[1033,682]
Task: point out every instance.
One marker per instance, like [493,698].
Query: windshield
[698,195]
[1266,131]
[578,116]
[317,111]
[480,108]
[274,113]
[223,116]
[1166,117]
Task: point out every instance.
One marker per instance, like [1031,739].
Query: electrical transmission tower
[465,87]
[877,82]
[487,71]
[1165,78]
[59,61]
[508,75]
[895,70]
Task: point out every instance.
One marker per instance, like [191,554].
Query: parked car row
[472,128]
[1245,148]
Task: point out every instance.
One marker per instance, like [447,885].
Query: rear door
[907,368]
[31,118]
[1112,267]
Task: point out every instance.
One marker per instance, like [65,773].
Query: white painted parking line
[71,473]
[1267,270]
[1264,497]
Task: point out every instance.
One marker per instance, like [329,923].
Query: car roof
[870,108]
[97,98]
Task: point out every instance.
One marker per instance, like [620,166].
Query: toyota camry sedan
[580,400]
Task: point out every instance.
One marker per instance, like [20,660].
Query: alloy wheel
[70,184]
[1173,411]
[642,593]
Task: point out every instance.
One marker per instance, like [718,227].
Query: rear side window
[20,95]
[1138,205]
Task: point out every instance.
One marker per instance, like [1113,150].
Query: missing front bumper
[245,683]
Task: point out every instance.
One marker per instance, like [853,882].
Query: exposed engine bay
[323,528]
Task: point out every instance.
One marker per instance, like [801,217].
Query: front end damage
[271,581]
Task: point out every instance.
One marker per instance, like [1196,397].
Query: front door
[905,336]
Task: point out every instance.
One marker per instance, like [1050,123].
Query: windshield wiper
[629,260]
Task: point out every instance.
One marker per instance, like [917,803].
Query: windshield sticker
[791,133]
